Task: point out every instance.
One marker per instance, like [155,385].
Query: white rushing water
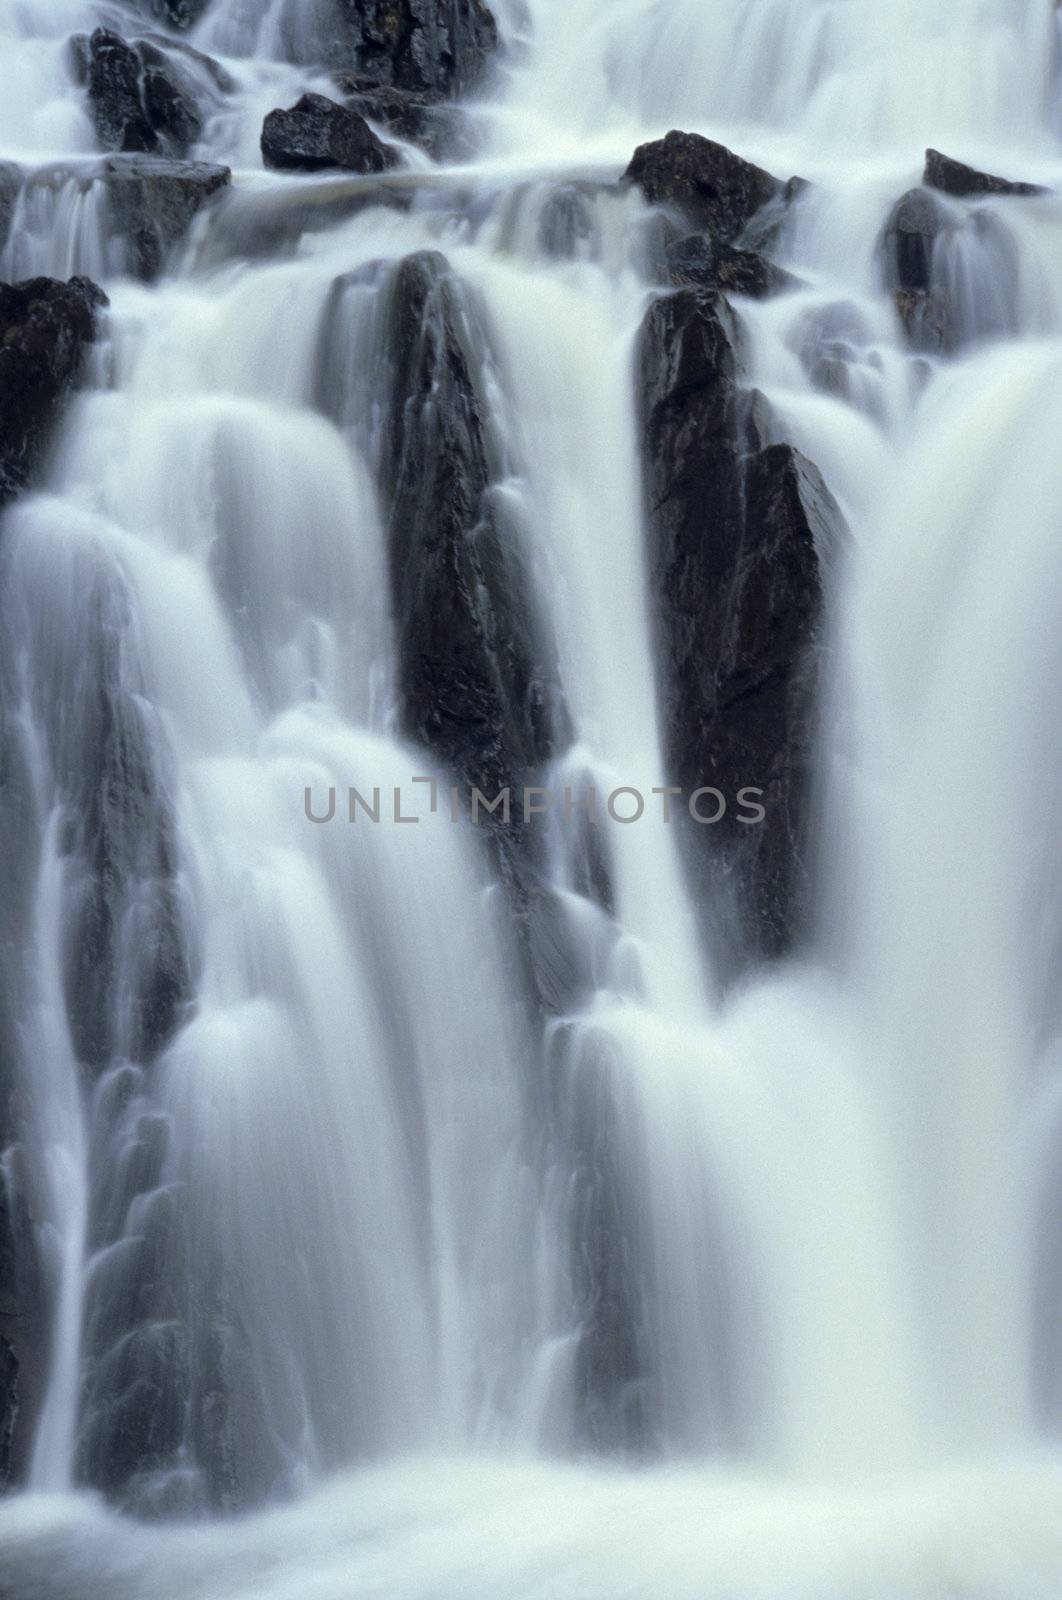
[325,1254]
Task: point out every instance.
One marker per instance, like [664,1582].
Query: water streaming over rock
[578,1202]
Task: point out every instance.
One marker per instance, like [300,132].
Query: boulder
[153,202]
[711,187]
[963,182]
[478,681]
[45,326]
[138,102]
[316,133]
[437,48]
[737,528]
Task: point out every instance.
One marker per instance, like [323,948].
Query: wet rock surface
[179,14]
[11,180]
[963,182]
[737,527]
[436,48]
[45,327]
[952,269]
[439,130]
[478,683]
[137,100]
[316,134]
[699,262]
[153,203]
[715,189]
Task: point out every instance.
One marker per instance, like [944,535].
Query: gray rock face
[316,133]
[437,48]
[737,528]
[45,327]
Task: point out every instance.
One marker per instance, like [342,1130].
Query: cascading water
[433,1195]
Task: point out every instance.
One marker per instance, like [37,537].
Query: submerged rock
[9,1408]
[953,271]
[153,203]
[715,189]
[836,348]
[437,48]
[179,14]
[45,326]
[703,263]
[137,101]
[915,223]
[439,130]
[316,133]
[478,682]
[908,245]
[963,182]
[737,529]
[11,181]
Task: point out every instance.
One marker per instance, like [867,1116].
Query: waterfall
[434,1157]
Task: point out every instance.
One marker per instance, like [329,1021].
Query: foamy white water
[338,1230]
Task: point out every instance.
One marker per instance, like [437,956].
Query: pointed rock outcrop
[738,530]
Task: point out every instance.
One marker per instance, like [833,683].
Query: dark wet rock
[110,70]
[437,48]
[129,975]
[153,203]
[138,102]
[963,182]
[316,133]
[179,14]
[700,262]
[713,188]
[478,681]
[737,528]
[26,1304]
[439,130]
[169,105]
[45,326]
[11,180]
[9,1409]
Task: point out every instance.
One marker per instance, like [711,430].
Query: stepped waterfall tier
[531,866]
